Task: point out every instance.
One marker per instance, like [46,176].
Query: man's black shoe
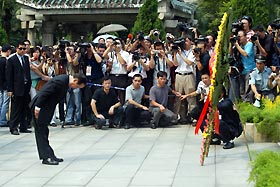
[50,161]
[53,124]
[98,127]
[58,159]
[153,126]
[69,123]
[14,132]
[25,131]
[126,126]
[228,145]
[183,121]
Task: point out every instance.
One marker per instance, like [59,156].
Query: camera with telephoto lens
[197,50]
[135,56]
[140,36]
[254,37]
[233,39]
[156,33]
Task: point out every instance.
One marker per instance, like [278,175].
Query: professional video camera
[276,24]
[236,26]
[184,27]
[82,45]
[63,43]
[178,43]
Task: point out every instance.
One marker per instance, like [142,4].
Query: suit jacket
[227,112]
[3,84]
[51,93]
[15,74]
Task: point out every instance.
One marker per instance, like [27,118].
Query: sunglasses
[20,48]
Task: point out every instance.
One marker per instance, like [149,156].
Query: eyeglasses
[20,48]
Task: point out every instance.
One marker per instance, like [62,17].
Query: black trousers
[19,110]
[134,116]
[42,132]
[119,81]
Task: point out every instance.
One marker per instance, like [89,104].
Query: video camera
[236,26]
[276,24]
[178,43]
[63,43]
[184,27]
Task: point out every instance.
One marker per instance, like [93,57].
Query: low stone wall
[252,134]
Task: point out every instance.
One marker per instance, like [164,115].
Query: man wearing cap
[4,98]
[247,25]
[258,80]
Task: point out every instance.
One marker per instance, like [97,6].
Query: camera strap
[156,58]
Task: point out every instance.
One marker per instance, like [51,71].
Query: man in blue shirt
[246,50]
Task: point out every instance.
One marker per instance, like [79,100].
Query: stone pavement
[143,157]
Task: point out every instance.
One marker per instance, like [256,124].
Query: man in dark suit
[18,87]
[43,106]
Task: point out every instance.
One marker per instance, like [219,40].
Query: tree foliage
[9,25]
[261,11]
[147,18]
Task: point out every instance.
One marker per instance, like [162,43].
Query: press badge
[88,71]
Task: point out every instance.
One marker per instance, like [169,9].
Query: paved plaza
[138,157]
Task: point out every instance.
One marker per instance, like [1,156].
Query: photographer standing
[73,96]
[185,81]
[247,54]
[160,62]
[138,64]
[247,27]
[202,58]
[264,43]
[117,59]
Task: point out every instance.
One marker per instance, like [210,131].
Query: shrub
[266,169]
[266,118]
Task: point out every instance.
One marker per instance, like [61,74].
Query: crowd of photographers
[253,73]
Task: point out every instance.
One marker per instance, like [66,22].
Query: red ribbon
[217,122]
[201,117]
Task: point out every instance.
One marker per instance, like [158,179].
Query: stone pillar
[48,33]
[31,36]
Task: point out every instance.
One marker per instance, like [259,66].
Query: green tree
[261,11]
[9,24]
[3,36]
[147,18]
